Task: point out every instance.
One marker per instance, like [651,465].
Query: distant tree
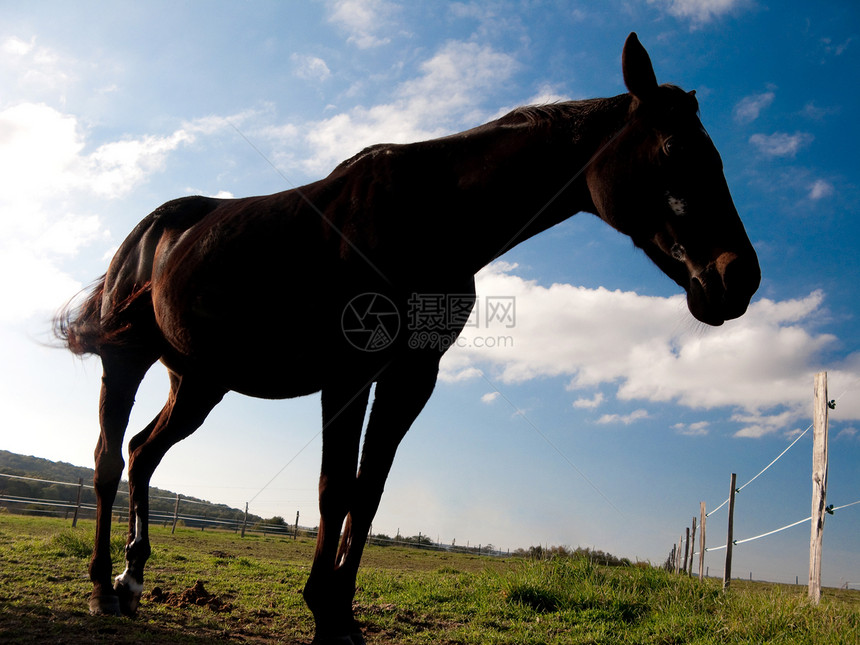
[417,539]
[593,555]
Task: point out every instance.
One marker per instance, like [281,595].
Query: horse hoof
[127,600]
[105,606]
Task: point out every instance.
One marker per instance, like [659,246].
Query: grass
[253,594]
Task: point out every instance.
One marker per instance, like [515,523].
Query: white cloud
[625,419]
[758,425]
[547,94]
[443,97]
[837,49]
[589,404]
[48,175]
[780,144]
[36,68]
[697,429]
[820,189]
[699,11]
[748,108]
[30,283]
[311,68]
[41,154]
[489,397]
[846,433]
[16,47]
[817,113]
[761,364]
[363,20]
[115,168]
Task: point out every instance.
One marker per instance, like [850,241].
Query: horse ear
[638,72]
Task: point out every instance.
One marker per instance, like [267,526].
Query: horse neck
[524,173]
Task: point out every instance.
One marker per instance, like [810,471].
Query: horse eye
[671,147]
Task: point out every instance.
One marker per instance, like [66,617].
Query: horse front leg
[190,401]
[343,409]
[400,396]
[120,380]
[108,471]
[125,586]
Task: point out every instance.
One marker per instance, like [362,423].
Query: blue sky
[606,414]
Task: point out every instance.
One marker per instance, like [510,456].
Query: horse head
[660,181]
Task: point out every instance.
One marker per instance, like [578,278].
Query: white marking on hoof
[128,581]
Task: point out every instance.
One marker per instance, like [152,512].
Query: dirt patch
[223,555]
[196,595]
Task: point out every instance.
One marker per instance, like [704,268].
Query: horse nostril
[678,252]
[741,275]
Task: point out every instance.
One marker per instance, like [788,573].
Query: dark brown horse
[310,290]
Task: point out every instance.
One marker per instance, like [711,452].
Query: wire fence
[689,552]
[240,523]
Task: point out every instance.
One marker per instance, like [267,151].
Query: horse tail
[89,327]
[79,326]
[117,311]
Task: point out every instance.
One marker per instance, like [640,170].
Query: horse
[311,289]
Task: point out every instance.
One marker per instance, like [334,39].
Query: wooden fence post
[175,514]
[296,530]
[78,503]
[245,520]
[686,552]
[703,515]
[692,547]
[678,553]
[727,574]
[819,483]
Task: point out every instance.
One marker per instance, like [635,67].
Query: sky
[599,413]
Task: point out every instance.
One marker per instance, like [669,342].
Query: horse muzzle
[723,289]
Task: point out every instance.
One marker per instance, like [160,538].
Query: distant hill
[58,471]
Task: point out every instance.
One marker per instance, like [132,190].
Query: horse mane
[541,113]
[369,151]
[572,112]
[536,116]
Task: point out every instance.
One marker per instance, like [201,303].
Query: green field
[251,592]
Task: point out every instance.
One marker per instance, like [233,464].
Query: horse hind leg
[343,409]
[190,401]
[401,393]
[400,396]
[120,380]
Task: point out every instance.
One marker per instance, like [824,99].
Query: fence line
[831,404]
[736,542]
[44,481]
[763,469]
[830,509]
[90,487]
[821,404]
[234,524]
